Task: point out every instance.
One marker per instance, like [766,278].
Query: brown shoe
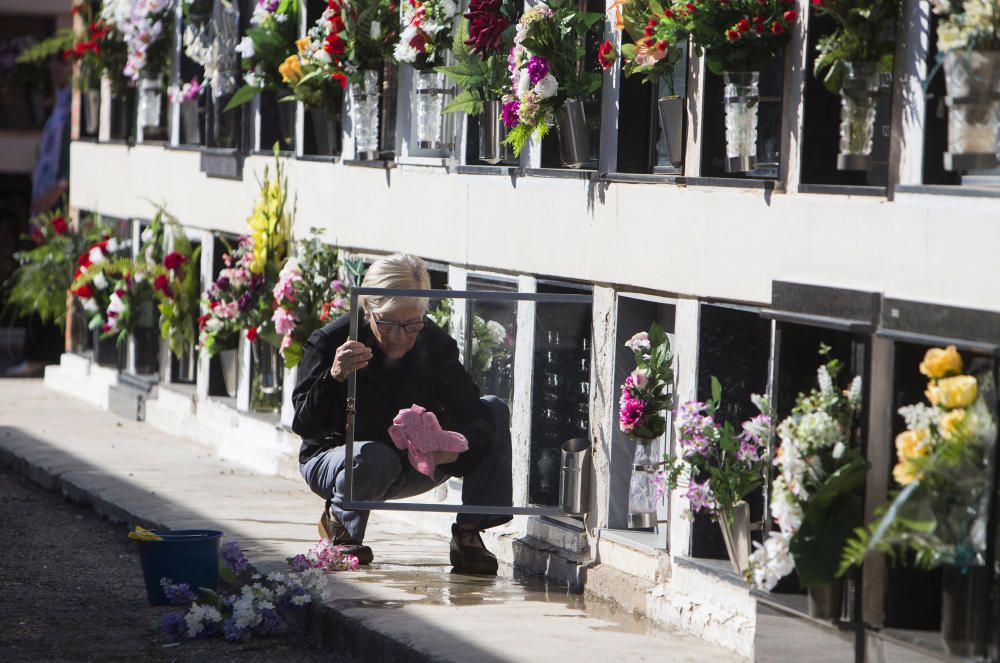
[331,529]
[468,554]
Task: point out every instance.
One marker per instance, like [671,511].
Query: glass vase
[151,109]
[364,115]
[642,488]
[973,80]
[858,101]
[741,97]
[431,95]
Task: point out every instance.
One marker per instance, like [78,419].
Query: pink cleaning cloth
[418,431]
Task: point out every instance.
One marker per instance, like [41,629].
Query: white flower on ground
[198,617]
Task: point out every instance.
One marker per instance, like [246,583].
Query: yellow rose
[951,393]
[954,423]
[912,444]
[290,70]
[904,473]
[940,363]
[302,43]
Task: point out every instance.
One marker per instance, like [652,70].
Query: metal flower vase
[326,130]
[91,103]
[642,488]
[187,365]
[230,370]
[191,122]
[735,526]
[964,601]
[574,137]
[146,339]
[972,79]
[431,94]
[741,97]
[364,115]
[671,112]
[492,133]
[858,102]
[825,600]
[151,109]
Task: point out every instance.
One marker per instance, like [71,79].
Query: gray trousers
[380,475]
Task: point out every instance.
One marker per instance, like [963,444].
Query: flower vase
[123,115]
[825,600]
[431,95]
[151,110]
[269,373]
[107,352]
[574,137]
[146,339]
[735,526]
[547,467]
[972,79]
[326,130]
[286,123]
[492,133]
[642,489]
[387,110]
[90,101]
[230,369]
[964,606]
[365,115]
[740,98]
[187,365]
[80,339]
[858,101]
[671,112]
[191,122]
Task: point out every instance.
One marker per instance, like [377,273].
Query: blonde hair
[401,271]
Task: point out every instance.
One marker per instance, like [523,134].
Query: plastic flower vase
[184,556]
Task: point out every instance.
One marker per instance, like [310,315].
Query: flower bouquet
[268,44]
[546,78]
[229,300]
[738,39]
[91,286]
[853,57]
[645,397]
[45,272]
[427,32]
[730,466]
[309,293]
[817,497]
[944,464]
[482,42]
[969,47]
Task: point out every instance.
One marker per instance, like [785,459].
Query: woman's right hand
[350,357]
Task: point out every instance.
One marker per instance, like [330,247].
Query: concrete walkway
[406,607]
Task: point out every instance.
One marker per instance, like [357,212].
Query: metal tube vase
[574,139]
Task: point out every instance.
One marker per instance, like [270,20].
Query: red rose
[84,260]
[662,44]
[791,15]
[777,29]
[690,7]
[340,78]
[85,291]
[743,26]
[648,31]
[732,35]
[37,237]
[669,13]
[252,334]
[59,225]
[174,260]
[162,283]
[202,320]
[759,29]
[607,55]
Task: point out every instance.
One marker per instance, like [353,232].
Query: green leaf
[293,354]
[242,96]
[716,391]
[468,101]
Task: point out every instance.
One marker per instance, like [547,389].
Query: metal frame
[352,386]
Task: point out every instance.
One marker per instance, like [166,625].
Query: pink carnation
[284,321]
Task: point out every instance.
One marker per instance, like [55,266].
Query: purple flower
[233,557]
[174,625]
[299,563]
[701,497]
[177,594]
[538,68]
[222,284]
[509,113]
[270,622]
[256,281]
[232,632]
[692,429]
[244,301]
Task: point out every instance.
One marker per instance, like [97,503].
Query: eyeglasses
[387,326]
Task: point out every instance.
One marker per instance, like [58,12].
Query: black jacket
[429,375]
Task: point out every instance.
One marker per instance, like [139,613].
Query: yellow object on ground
[143,534]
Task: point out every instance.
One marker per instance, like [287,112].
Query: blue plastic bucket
[184,556]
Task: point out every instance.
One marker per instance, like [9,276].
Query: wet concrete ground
[408,602]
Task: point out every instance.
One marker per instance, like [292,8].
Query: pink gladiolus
[284,321]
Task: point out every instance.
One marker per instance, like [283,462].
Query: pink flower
[337,285]
[630,411]
[639,378]
[284,321]
[701,497]
[639,343]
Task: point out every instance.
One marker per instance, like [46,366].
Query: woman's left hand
[445,457]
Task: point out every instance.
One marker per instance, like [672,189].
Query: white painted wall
[725,243]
